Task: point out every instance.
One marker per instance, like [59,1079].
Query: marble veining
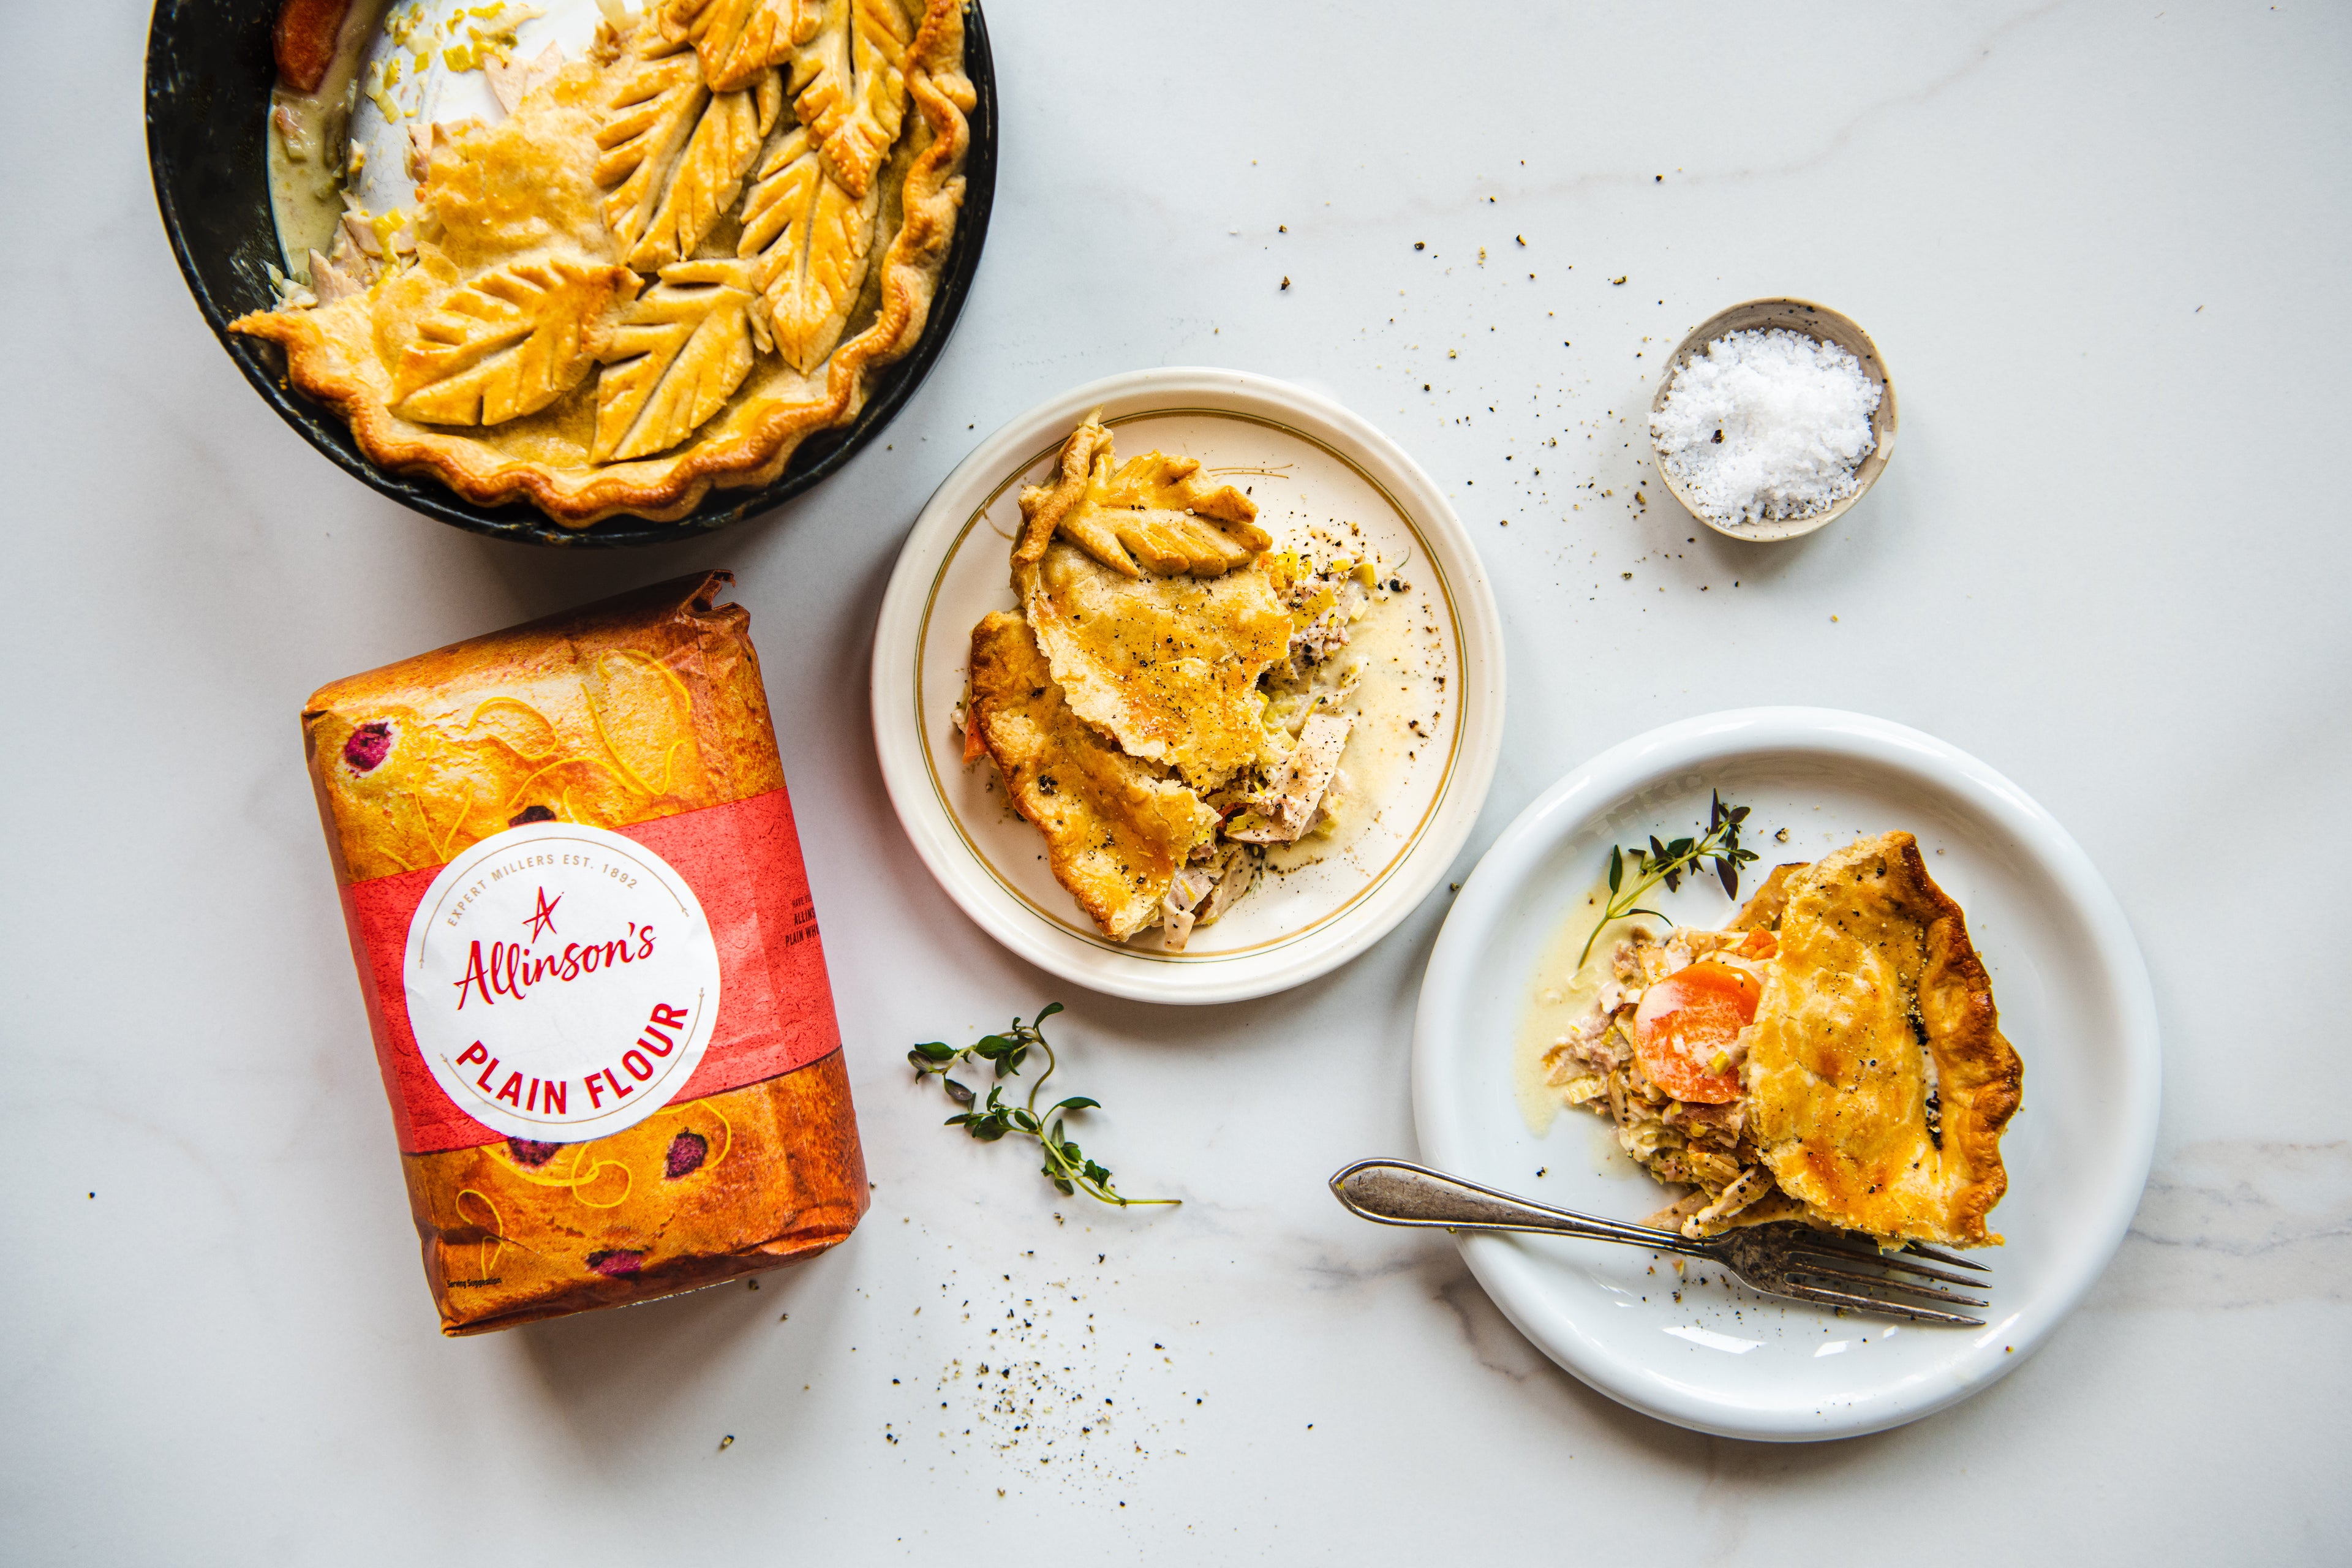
[2235,1223]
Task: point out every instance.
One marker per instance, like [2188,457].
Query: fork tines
[1869,1269]
[1895,1262]
[1822,1296]
[1918,1250]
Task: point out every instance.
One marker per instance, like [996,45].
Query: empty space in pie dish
[449,96]
[2067,979]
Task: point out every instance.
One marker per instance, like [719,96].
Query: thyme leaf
[1066,1165]
[1669,862]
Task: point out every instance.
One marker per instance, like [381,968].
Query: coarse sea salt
[1765,427]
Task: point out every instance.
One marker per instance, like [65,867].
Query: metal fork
[1794,1262]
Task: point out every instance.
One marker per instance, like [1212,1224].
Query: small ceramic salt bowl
[1817,321]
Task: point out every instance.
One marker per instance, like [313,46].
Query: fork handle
[1396,1192]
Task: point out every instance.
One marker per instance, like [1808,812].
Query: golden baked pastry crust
[1875,983]
[641,707]
[1116,829]
[1166,660]
[1168,665]
[738,40]
[1127,687]
[1874,1082]
[634,164]
[1762,910]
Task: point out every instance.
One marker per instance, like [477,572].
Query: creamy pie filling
[1676,1095]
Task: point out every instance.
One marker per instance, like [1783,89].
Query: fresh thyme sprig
[1066,1165]
[1668,863]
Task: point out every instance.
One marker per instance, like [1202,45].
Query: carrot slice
[305,40]
[1688,1023]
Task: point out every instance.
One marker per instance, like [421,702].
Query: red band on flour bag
[558,982]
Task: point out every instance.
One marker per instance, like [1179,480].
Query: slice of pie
[1833,1058]
[1164,654]
[671,263]
[1170,699]
[1118,829]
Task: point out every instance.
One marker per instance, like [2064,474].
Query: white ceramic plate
[2073,997]
[1310,465]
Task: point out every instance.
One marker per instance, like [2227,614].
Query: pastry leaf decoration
[1150,513]
[509,343]
[849,85]
[677,358]
[812,243]
[677,153]
[738,40]
[1152,510]
[655,105]
[708,175]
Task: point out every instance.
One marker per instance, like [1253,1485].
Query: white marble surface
[2093,241]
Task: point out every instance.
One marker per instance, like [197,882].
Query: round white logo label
[563,982]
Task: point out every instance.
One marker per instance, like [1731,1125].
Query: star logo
[542,918]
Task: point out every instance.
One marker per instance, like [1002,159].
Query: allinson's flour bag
[590,961]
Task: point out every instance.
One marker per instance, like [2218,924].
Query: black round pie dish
[209,74]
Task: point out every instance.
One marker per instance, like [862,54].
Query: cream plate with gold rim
[1430,713]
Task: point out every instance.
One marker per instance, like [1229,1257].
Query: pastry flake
[631,161]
